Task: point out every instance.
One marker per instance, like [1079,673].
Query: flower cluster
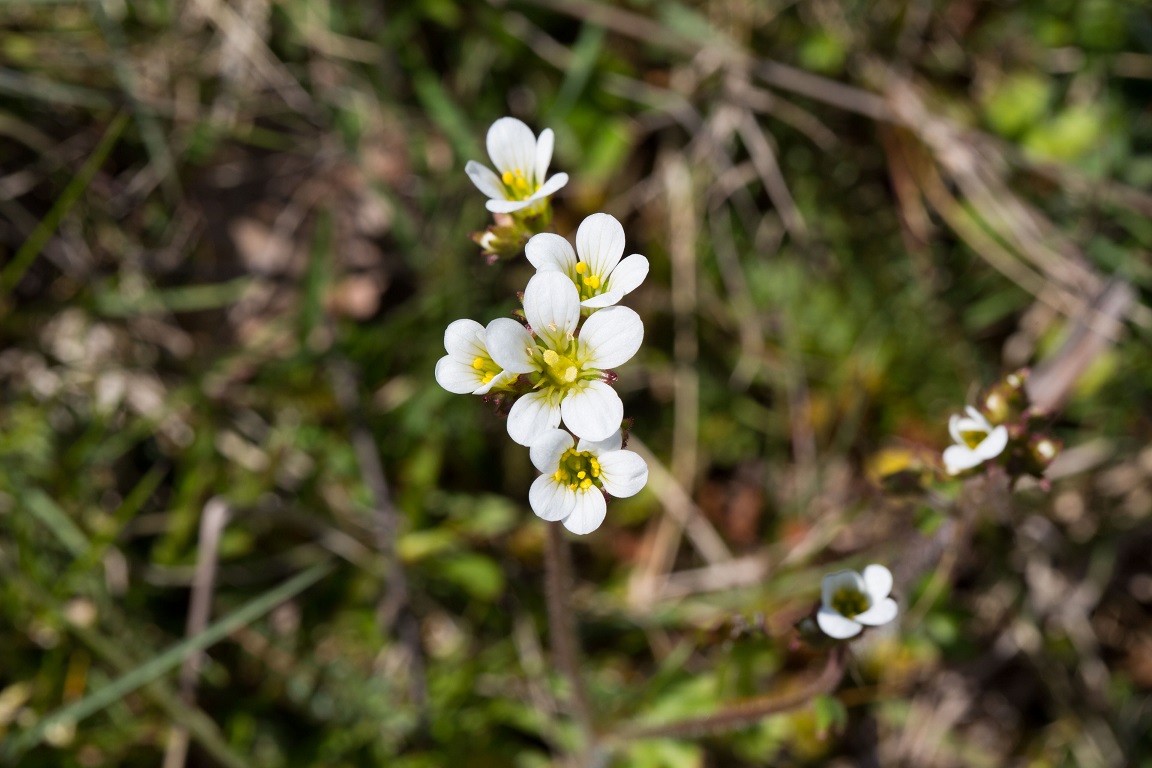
[1005,428]
[555,367]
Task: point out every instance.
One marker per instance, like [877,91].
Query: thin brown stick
[212,521]
[392,611]
[562,629]
[746,712]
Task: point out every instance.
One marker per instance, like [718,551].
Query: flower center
[973,439]
[518,186]
[578,469]
[589,285]
[561,369]
[487,368]
[848,602]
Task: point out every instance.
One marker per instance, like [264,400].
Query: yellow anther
[572,486]
[585,484]
[581,267]
[550,357]
[478,363]
[557,475]
[508,178]
[570,374]
[488,377]
[581,474]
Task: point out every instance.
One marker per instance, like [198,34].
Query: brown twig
[392,611]
[212,521]
[748,711]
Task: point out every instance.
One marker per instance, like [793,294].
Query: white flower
[595,267]
[567,372]
[468,369]
[976,441]
[521,162]
[570,490]
[850,601]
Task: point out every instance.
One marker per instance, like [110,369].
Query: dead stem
[745,712]
[392,611]
[212,522]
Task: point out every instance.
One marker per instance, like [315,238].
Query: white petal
[594,411]
[550,187]
[464,341]
[958,458]
[548,449]
[993,445]
[978,417]
[954,429]
[508,345]
[512,146]
[878,581]
[457,377]
[597,447]
[623,473]
[835,625]
[543,154]
[587,513]
[507,206]
[499,380]
[600,243]
[549,251]
[531,416]
[610,337]
[603,300]
[880,613]
[552,305]
[834,582]
[551,500]
[628,274]
[485,180]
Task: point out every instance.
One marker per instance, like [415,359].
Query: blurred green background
[231,236]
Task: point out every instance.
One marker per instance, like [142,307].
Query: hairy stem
[562,628]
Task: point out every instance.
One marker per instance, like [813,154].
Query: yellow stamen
[581,267]
[478,363]
[592,281]
[581,474]
[578,470]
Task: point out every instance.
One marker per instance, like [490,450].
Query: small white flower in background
[521,162]
[976,441]
[567,372]
[849,601]
[468,369]
[570,490]
[595,266]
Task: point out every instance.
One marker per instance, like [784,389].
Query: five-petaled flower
[567,371]
[576,475]
[595,266]
[468,369]
[850,601]
[976,440]
[521,162]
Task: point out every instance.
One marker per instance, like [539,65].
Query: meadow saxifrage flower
[521,161]
[850,601]
[576,475]
[601,278]
[567,372]
[976,441]
[468,369]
